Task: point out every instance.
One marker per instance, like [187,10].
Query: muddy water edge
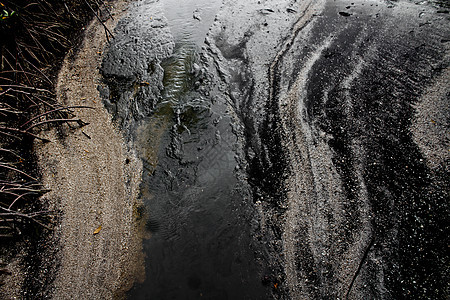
[284,146]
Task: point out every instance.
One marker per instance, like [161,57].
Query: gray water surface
[200,242]
[287,136]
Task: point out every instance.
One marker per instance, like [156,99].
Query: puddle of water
[199,245]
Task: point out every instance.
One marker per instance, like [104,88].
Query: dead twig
[22,132]
[9,135]
[35,89]
[79,121]
[86,135]
[16,170]
[12,213]
[101,22]
[361,263]
[54,110]
[20,197]
[4,92]
[12,152]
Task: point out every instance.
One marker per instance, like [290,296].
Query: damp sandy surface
[94,179]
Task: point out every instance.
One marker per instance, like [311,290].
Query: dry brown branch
[20,197]
[39,71]
[12,152]
[3,165]
[107,31]
[79,121]
[27,98]
[55,110]
[9,135]
[31,217]
[25,87]
[22,132]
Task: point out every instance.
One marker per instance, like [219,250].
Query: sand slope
[95,184]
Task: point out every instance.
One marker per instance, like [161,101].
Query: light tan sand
[430,124]
[94,183]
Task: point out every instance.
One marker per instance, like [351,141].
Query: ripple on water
[199,244]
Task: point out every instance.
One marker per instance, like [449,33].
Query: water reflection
[189,20]
[199,240]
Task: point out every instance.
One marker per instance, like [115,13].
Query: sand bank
[94,179]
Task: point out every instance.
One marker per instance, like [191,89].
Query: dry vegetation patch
[34,38]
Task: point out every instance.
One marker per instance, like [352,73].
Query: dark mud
[361,217]
[282,154]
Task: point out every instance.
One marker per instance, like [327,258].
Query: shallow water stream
[199,241]
[277,147]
